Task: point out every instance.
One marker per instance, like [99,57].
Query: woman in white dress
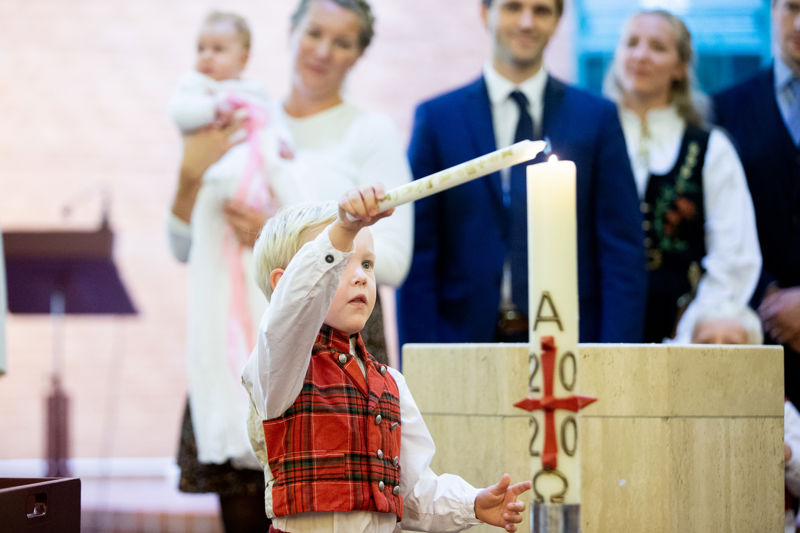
[699,225]
[331,146]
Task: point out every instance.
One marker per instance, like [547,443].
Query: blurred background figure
[697,208]
[314,146]
[454,294]
[224,303]
[726,322]
[791,449]
[337,143]
[762,115]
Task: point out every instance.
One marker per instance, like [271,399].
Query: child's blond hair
[239,23]
[284,234]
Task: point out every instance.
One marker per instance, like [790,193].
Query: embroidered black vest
[674,219]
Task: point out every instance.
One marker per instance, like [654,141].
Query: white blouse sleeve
[179,237]
[791,436]
[430,503]
[274,374]
[193,103]
[384,161]
[733,259]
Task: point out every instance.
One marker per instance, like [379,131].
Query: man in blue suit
[468,279]
[763,117]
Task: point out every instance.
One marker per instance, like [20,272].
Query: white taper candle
[467,171]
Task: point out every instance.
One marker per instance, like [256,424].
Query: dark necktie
[518,212]
[793,117]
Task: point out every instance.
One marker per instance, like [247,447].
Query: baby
[207,94]
[213,94]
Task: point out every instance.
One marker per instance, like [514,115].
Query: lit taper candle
[467,171]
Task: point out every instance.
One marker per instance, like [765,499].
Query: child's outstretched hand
[497,505]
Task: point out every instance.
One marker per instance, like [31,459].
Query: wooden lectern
[2,312]
[680,439]
[58,273]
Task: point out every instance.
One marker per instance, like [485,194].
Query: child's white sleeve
[193,103]
[430,503]
[275,372]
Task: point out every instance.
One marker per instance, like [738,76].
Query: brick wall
[83,94]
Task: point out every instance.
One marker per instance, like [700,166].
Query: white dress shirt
[733,259]
[785,95]
[274,376]
[505,115]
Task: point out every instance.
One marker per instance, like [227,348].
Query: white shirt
[733,258]
[783,89]
[505,115]
[505,112]
[334,151]
[274,377]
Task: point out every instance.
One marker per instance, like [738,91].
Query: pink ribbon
[252,190]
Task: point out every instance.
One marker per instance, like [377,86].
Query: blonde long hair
[691,103]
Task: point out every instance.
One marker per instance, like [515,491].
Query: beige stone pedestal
[681,439]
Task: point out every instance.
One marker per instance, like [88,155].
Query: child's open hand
[358,207]
[497,505]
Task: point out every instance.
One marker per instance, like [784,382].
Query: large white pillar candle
[553,326]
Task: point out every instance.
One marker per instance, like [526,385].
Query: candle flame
[552,158]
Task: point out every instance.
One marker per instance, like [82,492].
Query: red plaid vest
[337,447]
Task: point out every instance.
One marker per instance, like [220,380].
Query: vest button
[329,258]
[342,358]
[381,486]
[644,207]
[393,426]
[383,370]
[396,490]
[396,461]
[380,454]
[378,419]
[645,225]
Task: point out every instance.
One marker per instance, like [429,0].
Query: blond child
[346,446]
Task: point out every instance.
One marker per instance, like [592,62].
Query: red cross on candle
[548,403]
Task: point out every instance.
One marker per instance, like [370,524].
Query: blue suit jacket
[750,113]
[452,293]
